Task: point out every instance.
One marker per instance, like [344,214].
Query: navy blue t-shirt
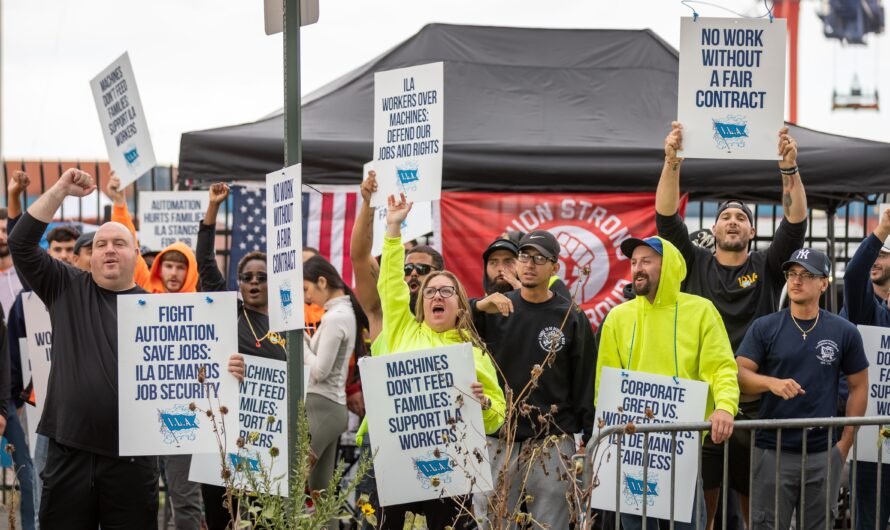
[779,349]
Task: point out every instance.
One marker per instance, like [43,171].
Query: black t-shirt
[523,339]
[834,346]
[743,293]
[81,408]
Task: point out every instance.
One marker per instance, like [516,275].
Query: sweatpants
[763,503]
[184,496]
[83,490]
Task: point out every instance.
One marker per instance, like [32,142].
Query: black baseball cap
[629,245]
[500,244]
[85,240]
[542,241]
[732,203]
[812,260]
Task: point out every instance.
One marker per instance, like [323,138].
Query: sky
[201,64]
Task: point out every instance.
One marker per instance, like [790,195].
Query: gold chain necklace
[273,337]
[801,329]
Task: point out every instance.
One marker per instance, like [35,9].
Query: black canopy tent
[534,109]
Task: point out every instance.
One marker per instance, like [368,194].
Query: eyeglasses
[247,277]
[445,292]
[421,268]
[802,276]
[539,259]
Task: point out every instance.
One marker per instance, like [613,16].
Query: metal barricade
[751,426]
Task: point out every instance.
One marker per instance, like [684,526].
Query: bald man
[86,484]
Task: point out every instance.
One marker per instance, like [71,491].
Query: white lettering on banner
[130,152]
[166,217]
[428,437]
[284,240]
[731,87]
[635,397]
[876,341]
[408,124]
[172,353]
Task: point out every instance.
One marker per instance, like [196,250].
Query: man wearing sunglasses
[794,358]
[546,337]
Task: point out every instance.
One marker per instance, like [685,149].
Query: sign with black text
[166,217]
[876,341]
[284,249]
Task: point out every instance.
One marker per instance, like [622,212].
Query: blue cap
[629,245]
[812,260]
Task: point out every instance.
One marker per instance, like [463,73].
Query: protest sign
[40,343]
[123,123]
[426,428]
[166,217]
[876,341]
[731,95]
[626,396]
[262,424]
[31,415]
[284,241]
[173,350]
[408,125]
[418,223]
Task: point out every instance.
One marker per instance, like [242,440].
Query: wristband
[788,171]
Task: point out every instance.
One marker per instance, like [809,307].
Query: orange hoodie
[150,280]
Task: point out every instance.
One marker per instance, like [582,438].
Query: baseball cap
[732,203]
[85,240]
[542,241]
[629,245]
[810,259]
[500,244]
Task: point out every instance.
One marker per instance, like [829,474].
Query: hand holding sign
[113,190]
[236,366]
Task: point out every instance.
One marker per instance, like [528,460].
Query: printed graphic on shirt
[551,337]
[747,280]
[826,351]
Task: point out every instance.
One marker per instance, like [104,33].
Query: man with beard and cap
[547,330]
[419,261]
[794,358]
[670,333]
[86,483]
[866,295]
[499,262]
[742,285]
[83,251]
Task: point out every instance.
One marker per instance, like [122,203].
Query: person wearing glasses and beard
[254,336]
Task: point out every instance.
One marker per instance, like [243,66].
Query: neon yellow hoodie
[402,332]
[679,335]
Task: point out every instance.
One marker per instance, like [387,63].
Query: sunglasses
[445,292]
[421,268]
[247,277]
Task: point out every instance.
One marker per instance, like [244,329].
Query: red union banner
[590,228]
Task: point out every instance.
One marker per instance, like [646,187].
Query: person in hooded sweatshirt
[666,332]
[174,270]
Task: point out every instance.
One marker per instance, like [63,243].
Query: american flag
[328,217]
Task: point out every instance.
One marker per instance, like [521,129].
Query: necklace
[273,337]
[804,333]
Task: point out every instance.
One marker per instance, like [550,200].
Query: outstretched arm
[18,183]
[667,195]
[208,272]
[364,266]
[794,197]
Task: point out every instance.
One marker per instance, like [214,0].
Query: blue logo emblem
[634,488]
[434,470]
[287,301]
[730,132]
[177,424]
[243,463]
[408,176]
[131,155]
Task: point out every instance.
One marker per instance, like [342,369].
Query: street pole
[292,155]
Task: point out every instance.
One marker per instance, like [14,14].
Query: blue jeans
[635,522]
[866,487]
[24,468]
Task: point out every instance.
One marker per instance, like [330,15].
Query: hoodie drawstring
[633,336]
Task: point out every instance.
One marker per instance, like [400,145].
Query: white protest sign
[31,415]
[165,344]
[876,341]
[123,123]
[263,397]
[626,396]
[418,223]
[40,342]
[166,217]
[284,241]
[426,428]
[408,125]
[731,95]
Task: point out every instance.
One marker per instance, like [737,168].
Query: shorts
[739,455]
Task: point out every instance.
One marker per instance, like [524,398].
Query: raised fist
[218,193]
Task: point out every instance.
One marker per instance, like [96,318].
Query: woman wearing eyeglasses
[254,337]
[442,317]
[326,357]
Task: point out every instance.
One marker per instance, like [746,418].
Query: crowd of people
[692,313]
